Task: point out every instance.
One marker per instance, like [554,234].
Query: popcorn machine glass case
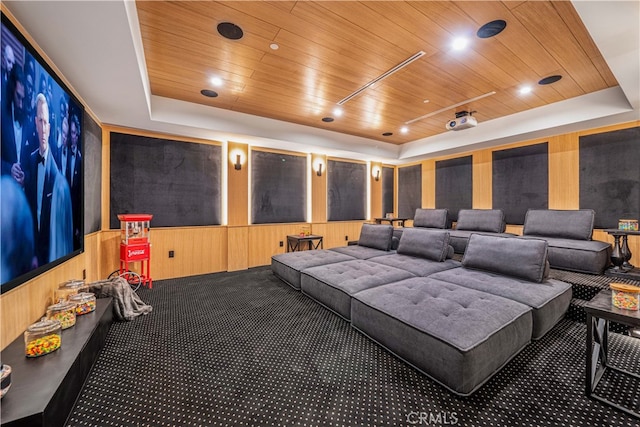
[135,245]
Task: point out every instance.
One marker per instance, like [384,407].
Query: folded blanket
[127,305]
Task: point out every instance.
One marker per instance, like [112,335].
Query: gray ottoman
[459,337]
[288,266]
[333,285]
[548,300]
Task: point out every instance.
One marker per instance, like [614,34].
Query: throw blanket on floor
[127,305]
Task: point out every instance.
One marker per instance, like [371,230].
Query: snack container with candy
[5,381]
[64,312]
[85,302]
[625,296]
[42,337]
[68,288]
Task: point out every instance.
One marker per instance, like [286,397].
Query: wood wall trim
[429,183]
[375,204]
[276,151]
[482,181]
[159,135]
[318,190]
[238,186]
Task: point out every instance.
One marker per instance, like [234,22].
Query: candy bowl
[42,338]
[85,302]
[70,287]
[64,312]
[5,380]
[625,296]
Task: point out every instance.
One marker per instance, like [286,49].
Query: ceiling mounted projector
[463,120]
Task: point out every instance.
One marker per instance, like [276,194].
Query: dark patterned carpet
[244,349]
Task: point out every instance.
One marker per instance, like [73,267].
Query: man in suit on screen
[43,183]
[15,129]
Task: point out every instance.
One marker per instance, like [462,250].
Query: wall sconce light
[318,165]
[237,158]
[375,172]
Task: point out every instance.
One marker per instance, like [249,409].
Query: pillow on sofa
[563,224]
[376,236]
[428,244]
[432,218]
[511,256]
[491,220]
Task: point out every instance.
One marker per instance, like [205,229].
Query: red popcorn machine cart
[135,245]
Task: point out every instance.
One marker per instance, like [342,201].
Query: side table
[296,242]
[600,311]
[621,254]
[391,221]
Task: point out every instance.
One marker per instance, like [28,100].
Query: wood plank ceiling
[327,50]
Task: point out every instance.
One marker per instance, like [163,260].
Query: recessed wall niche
[346,191]
[177,182]
[520,180]
[610,175]
[454,185]
[409,190]
[278,188]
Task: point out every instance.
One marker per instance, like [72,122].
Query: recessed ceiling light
[216,81]
[230,31]
[337,112]
[387,134]
[274,46]
[491,29]
[549,80]
[209,93]
[404,129]
[327,119]
[459,43]
[525,90]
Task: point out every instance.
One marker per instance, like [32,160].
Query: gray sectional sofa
[470,221]
[477,221]
[334,285]
[568,234]
[458,322]
[375,240]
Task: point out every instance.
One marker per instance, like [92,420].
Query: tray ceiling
[297,60]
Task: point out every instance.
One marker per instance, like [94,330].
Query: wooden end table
[600,311]
[296,242]
[392,221]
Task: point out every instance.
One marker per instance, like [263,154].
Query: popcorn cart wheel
[133,279]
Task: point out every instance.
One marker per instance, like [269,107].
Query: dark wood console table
[621,254]
[44,389]
[599,312]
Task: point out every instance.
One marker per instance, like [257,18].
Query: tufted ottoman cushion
[333,285]
[548,300]
[458,336]
[288,266]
